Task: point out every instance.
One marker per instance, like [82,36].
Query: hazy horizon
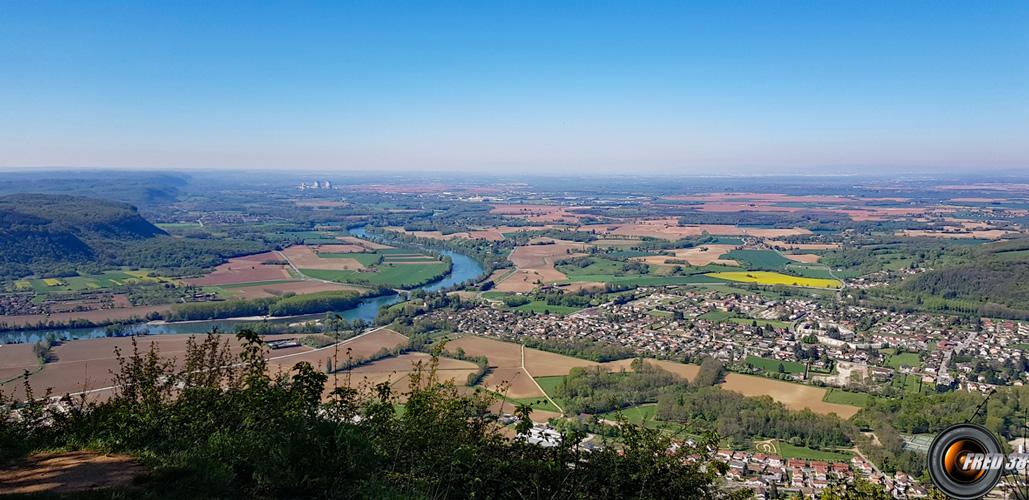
[533,88]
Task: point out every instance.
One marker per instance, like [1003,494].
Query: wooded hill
[59,235]
[995,275]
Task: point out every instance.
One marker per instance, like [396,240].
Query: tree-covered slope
[994,274]
[49,234]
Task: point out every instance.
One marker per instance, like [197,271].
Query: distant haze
[517,87]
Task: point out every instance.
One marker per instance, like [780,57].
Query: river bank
[463,269]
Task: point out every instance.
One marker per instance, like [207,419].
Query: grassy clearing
[644,415]
[787,450]
[911,359]
[772,278]
[549,384]
[911,383]
[772,365]
[719,316]
[491,295]
[840,396]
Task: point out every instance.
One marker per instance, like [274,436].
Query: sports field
[772,278]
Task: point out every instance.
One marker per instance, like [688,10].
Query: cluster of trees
[222,426]
[741,419]
[597,390]
[581,348]
[286,305]
[481,362]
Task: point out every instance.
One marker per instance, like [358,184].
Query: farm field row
[84,282]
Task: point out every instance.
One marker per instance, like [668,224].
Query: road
[942,377]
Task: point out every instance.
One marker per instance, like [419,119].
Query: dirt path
[533,379]
[70,472]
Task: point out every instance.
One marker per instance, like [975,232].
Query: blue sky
[592,86]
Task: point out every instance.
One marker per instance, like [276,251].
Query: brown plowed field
[87,364]
[505,360]
[397,371]
[807,258]
[357,348]
[370,245]
[538,213]
[536,263]
[669,229]
[303,257]
[340,249]
[697,256]
[244,270]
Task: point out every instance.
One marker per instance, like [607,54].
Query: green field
[719,316]
[772,365]
[390,275]
[595,268]
[895,361]
[759,259]
[549,384]
[714,315]
[493,295]
[644,415]
[1024,347]
[839,396]
[910,383]
[787,450]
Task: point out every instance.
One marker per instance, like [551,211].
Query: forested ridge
[61,235]
[994,275]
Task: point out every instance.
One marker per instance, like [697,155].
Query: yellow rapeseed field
[772,278]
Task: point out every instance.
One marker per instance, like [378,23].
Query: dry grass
[794,396]
[806,258]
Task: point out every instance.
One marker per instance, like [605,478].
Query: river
[464,268]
